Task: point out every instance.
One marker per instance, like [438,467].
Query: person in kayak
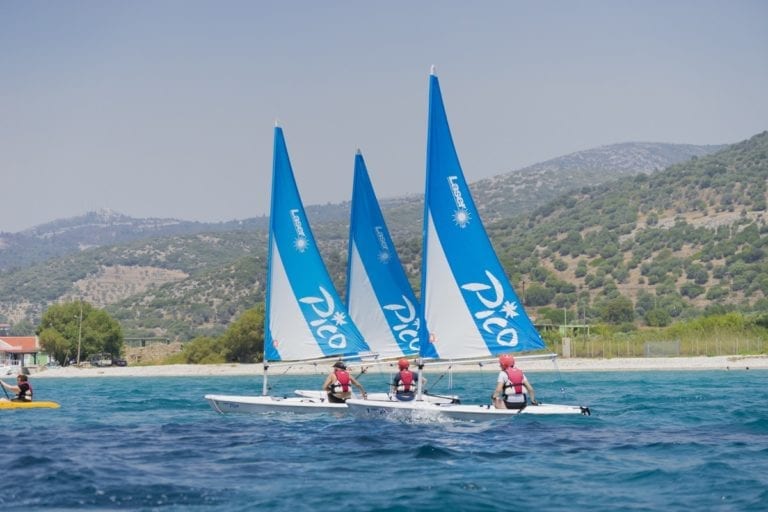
[23,389]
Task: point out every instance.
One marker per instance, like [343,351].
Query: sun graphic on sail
[300,244]
[510,309]
[461,217]
[339,318]
[384,257]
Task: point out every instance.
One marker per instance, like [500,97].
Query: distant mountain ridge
[103,218]
[524,190]
[97,229]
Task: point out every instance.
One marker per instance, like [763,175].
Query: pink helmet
[403,364]
[506,361]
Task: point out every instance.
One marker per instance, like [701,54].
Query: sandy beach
[565,365]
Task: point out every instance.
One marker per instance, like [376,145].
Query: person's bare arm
[10,387]
[359,386]
[496,397]
[327,383]
[531,393]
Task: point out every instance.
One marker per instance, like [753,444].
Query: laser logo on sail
[461,216]
[384,253]
[301,242]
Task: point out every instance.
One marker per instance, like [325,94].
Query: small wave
[431,451]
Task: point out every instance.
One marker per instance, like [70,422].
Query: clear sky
[166,108]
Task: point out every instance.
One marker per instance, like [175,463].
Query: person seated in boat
[337,384]
[23,389]
[405,382]
[512,387]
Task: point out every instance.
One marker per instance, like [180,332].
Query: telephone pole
[80,332]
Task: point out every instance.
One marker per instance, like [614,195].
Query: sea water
[695,440]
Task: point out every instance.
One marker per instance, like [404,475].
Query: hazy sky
[166,108]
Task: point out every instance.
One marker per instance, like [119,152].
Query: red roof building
[19,351]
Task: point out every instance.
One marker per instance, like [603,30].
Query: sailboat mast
[420,379]
[267,295]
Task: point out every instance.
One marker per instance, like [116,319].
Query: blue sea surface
[695,440]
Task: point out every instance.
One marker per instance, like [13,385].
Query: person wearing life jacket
[405,382]
[338,383]
[23,389]
[512,388]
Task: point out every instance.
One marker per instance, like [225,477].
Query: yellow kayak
[29,405]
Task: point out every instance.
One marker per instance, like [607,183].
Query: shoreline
[756,362]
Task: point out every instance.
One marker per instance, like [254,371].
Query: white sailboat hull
[396,410]
[308,402]
[487,412]
[225,404]
[426,410]
[383,397]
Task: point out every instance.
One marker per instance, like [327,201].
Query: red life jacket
[515,380]
[406,379]
[343,378]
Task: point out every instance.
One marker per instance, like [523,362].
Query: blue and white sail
[470,307]
[305,317]
[380,299]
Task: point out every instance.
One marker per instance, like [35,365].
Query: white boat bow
[487,412]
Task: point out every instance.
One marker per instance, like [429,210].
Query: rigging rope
[564,392]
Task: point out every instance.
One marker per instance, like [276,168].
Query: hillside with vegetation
[159,287]
[650,248]
[646,249]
